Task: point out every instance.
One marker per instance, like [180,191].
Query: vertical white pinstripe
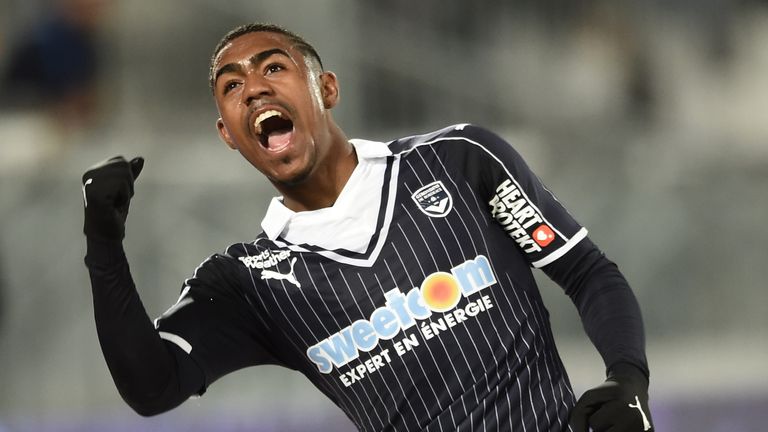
[418,361]
[472,241]
[458,344]
[397,409]
[339,326]
[349,318]
[503,317]
[399,381]
[540,324]
[310,306]
[495,300]
[533,332]
[536,351]
[427,347]
[463,256]
[538,316]
[258,294]
[327,379]
[541,391]
[306,300]
[375,390]
[442,344]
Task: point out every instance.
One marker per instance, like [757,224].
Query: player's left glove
[107,193]
[620,404]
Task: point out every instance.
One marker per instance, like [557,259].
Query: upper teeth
[263,116]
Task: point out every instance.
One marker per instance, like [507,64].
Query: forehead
[245,46]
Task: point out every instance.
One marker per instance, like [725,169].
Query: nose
[256,87]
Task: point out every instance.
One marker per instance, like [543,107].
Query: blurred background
[649,120]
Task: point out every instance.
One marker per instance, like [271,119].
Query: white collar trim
[279,216]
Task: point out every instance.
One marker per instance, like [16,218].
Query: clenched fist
[107,193]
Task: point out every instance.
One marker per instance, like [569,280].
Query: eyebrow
[254,60]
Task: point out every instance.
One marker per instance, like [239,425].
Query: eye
[230,85]
[272,68]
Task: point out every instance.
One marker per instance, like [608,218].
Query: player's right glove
[620,404]
[107,192]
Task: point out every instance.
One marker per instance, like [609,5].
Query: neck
[323,186]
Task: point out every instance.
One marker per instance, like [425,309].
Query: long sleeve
[608,308]
[548,236]
[151,375]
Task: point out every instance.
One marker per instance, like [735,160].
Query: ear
[224,134]
[329,85]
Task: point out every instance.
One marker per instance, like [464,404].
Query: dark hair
[299,42]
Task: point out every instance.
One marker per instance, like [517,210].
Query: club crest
[433,199]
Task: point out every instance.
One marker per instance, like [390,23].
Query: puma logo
[646,424]
[85,198]
[290,277]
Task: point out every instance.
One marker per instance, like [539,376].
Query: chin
[294,179]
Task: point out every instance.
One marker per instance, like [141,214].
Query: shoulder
[233,269]
[455,137]
[259,254]
[235,258]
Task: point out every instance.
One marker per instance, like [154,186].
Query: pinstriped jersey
[433,322]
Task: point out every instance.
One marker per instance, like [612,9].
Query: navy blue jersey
[434,324]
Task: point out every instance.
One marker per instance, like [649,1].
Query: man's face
[273,103]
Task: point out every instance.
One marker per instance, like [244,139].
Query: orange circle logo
[440,291]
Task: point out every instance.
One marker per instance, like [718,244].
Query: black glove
[107,192]
[620,404]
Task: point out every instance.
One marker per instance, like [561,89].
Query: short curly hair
[302,45]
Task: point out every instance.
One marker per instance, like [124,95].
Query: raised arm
[151,374]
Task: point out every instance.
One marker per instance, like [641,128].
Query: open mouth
[274,130]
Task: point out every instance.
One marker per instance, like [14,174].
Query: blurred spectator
[53,66]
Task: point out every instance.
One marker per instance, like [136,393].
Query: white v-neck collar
[351,222]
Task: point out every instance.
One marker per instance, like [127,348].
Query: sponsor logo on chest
[432,308]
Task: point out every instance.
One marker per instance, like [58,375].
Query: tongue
[279,139]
